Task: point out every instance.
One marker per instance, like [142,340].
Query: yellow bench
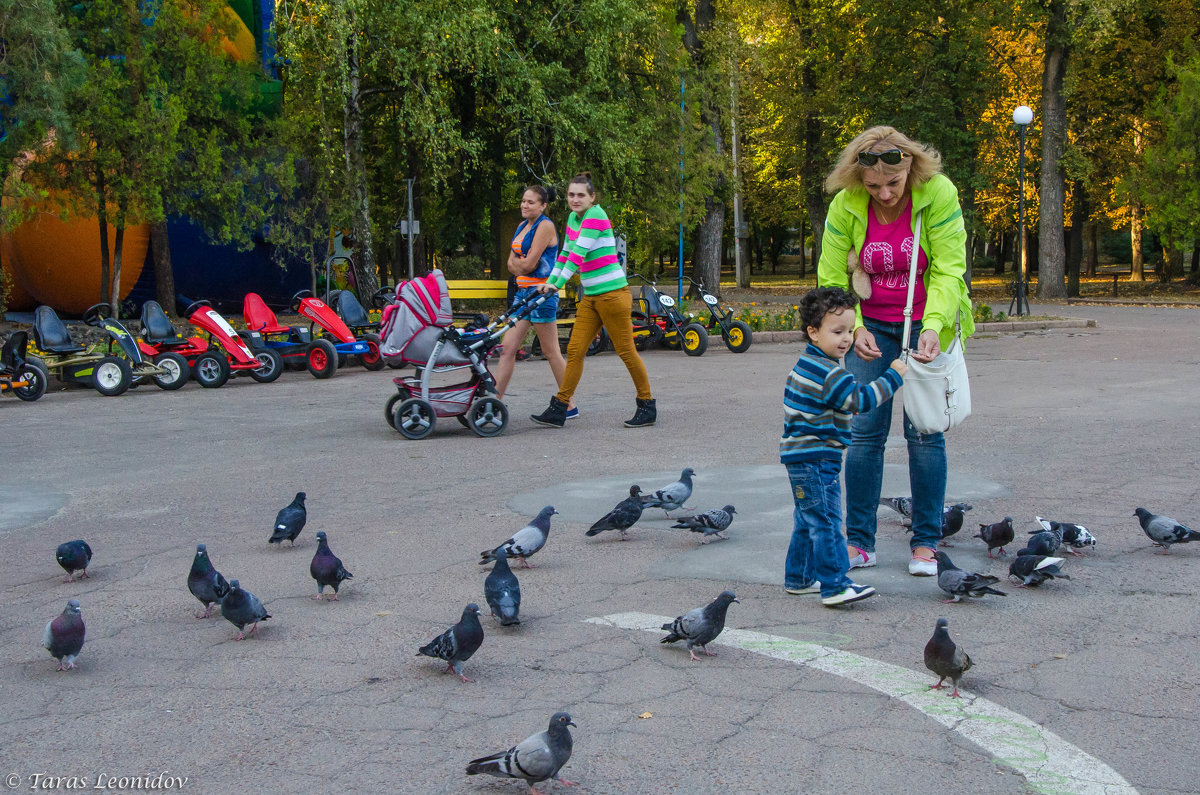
[497,290]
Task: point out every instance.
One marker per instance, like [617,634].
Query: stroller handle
[518,311]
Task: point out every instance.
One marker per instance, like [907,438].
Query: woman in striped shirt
[591,249]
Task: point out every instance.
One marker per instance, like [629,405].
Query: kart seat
[157,328]
[653,307]
[351,310]
[259,316]
[51,333]
[12,355]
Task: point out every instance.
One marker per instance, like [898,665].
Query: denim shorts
[545,312]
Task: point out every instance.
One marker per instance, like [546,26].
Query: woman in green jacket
[883,180]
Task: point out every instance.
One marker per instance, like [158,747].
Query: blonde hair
[847,173]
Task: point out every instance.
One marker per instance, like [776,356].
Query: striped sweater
[591,249]
[819,400]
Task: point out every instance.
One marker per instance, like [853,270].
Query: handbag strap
[912,283]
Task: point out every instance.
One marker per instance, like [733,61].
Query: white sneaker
[863,560]
[922,567]
[814,588]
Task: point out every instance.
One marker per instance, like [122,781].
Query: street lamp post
[1022,116]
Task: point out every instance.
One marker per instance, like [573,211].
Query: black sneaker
[645,415]
[553,417]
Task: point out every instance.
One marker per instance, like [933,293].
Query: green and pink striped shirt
[590,249]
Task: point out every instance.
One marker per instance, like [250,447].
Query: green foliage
[1170,185]
[983,314]
[762,319]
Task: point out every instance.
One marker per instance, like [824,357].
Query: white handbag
[937,394]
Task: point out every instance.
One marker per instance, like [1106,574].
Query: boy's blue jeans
[817,550]
[864,459]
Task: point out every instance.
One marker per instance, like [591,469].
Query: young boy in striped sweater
[819,400]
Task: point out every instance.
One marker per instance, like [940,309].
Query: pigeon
[326,568]
[502,591]
[74,556]
[1043,542]
[1075,536]
[457,644]
[64,636]
[958,583]
[901,505]
[1033,570]
[952,520]
[1164,531]
[997,535]
[240,607]
[711,523]
[701,626]
[526,541]
[623,517]
[205,582]
[534,759]
[672,497]
[945,658]
[290,521]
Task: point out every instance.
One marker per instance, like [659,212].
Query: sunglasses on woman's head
[892,157]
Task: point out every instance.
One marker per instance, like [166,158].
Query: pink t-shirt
[885,256]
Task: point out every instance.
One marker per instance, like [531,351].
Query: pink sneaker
[862,560]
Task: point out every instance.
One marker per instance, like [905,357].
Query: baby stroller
[418,329]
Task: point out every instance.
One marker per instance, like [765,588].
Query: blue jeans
[817,550]
[864,459]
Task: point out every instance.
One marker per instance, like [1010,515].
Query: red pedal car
[211,365]
[294,343]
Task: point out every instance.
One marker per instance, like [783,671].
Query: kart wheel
[737,339]
[211,370]
[38,380]
[176,371]
[600,344]
[112,376]
[414,418]
[389,410]
[342,358]
[322,359]
[372,360]
[487,416]
[695,339]
[34,361]
[272,366]
[670,340]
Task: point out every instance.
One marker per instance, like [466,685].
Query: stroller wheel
[487,416]
[414,418]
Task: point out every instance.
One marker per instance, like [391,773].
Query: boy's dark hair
[820,302]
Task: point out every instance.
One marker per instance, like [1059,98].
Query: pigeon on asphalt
[205,582]
[1164,531]
[672,497]
[502,591]
[958,583]
[901,505]
[1033,570]
[711,523]
[534,759]
[289,521]
[240,607]
[1043,542]
[64,636]
[623,517]
[326,568]
[1075,536]
[457,644]
[74,556]
[952,520]
[526,541]
[701,626]
[997,535]
[945,658]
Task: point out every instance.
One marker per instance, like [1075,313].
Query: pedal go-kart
[656,320]
[294,343]
[735,333]
[213,367]
[347,324]
[17,375]
[97,366]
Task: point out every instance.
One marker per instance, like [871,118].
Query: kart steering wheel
[382,297]
[97,313]
[194,306]
[298,297]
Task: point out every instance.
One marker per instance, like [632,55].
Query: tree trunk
[1079,214]
[1051,255]
[1172,263]
[1196,256]
[102,220]
[164,274]
[365,272]
[118,249]
[1137,268]
[1093,251]
[1001,253]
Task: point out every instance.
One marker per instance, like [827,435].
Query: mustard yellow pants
[611,310]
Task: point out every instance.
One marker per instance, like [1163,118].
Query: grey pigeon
[958,583]
[240,607]
[1043,542]
[1033,570]
[205,582]
[290,521]
[74,556]
[1164,531]
[701,626]
[622,517]
[1075,536]
[326,568]
[457,644]
[534,759]
[945,658]
[671,497]
[64,636]
[502,591]
[901,505]
[526,541]
[997,535]
[711,523]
